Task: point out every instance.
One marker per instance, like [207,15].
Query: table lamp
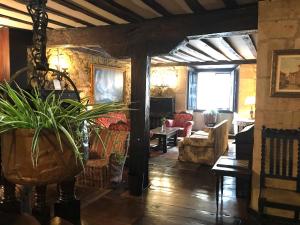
[250,100]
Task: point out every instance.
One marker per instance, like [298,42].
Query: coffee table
[163,135]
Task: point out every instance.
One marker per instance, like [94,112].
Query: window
[214,90]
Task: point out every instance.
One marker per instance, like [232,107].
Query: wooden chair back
[280,172]
[280,155]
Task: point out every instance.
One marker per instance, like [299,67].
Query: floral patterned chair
[115,139]
[112,117]
[184,121]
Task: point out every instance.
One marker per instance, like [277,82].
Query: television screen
[162,106]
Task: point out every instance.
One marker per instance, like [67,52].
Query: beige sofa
[205,146]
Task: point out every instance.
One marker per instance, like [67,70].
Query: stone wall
[79,69]
[278,28]
[247,87]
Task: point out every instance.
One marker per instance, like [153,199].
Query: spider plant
[23,109]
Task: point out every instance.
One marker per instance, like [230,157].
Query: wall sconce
[250,100]
[59,61]
[164,77]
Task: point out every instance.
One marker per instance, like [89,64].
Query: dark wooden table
[228,166]
[164,135]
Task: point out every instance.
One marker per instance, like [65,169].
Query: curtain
[192,90]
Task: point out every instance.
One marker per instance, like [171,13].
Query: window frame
[234,71]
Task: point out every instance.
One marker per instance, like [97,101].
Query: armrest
[187,129]
[169,123]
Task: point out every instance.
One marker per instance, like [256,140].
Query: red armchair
[183,120]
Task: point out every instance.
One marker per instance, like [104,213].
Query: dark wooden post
[139,139]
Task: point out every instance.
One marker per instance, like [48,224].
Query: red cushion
[181,118]
[112,117]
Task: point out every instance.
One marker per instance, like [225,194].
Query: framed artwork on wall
[285,78]
[107,84]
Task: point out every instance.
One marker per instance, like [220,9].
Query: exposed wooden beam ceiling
[159,35]
[230,4]
[157,7]
[81,13]
[195,6]
[233,62]
[213,51]
[86,11]
[250,43]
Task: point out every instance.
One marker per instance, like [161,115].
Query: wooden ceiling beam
[157,7]
[64,15]
[159,35]
[173,58]
[26,14]
[211,46]
[195,51]
[69,4]
[233,62]
[230,48]
[16,19]
[195,6]
[123,9]
[250,43]
[230,4]
[128,16]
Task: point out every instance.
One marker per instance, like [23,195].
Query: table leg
[217,191]
[164,144]
[175,139]
[222,182]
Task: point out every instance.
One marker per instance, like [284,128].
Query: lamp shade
[250,100]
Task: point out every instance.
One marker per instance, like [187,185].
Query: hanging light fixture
[40,74]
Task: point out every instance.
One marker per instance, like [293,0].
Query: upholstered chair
[184,121]
[112,117]
[112,140]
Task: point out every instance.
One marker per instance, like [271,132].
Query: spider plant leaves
[65,117]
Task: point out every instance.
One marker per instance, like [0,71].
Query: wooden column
[139,139]
[4,54]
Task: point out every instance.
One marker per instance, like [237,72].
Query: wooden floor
[180,194]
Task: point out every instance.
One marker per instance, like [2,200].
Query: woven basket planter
[53,164]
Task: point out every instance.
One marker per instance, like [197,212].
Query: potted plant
[210,117]
[42,138]
[116,163]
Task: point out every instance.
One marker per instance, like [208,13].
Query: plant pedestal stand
[40,210]
[9,203]
[67,206]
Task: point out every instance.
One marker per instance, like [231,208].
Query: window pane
[215,91]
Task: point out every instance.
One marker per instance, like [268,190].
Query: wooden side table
[228,166]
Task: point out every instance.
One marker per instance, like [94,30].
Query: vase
[116,169]
[53,166]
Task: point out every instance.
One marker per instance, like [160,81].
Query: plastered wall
[247,87]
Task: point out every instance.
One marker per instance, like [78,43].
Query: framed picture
[107,84]
[285,79]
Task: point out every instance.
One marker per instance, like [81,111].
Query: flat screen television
[162,106]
